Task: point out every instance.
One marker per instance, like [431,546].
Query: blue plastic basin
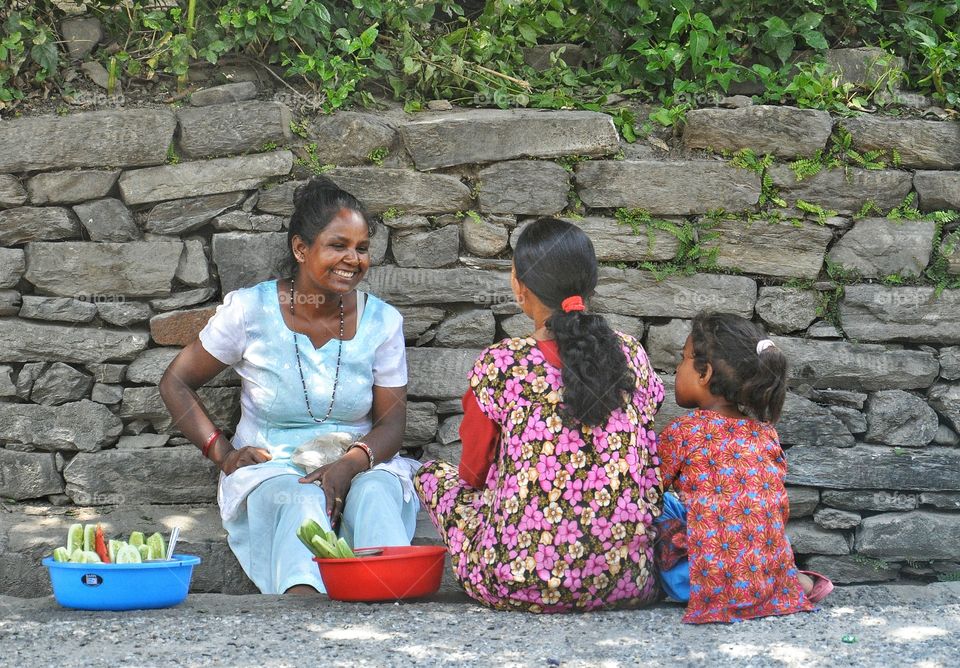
[157,584]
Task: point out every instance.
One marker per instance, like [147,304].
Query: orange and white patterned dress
[729,473]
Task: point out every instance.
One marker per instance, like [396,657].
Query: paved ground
[893,625]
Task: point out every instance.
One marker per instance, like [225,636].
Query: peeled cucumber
[90,538]
[74,538]
[158,549]
[82,540]
[345,551]
[113,547]
[323,549]
[324,544]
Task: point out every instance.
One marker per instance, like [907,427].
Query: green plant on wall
[945,246]
[694,252]
[869,208]
[312,160]
[746,159]
[173,156]
[804,168]
[831,297]
[841,153]
[906,210]
[391,213]
[815,209]
[570,162]
[377,155]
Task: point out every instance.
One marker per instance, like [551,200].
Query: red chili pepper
[100,545]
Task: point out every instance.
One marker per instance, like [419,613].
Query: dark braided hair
[757,383]
[556,260]
[315,204]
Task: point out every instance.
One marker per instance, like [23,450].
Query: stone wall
[120,232]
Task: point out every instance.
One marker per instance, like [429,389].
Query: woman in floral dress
[552,506]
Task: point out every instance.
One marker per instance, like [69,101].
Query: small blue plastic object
[152,584]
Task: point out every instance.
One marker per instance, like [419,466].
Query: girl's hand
[245,456]
[335,479]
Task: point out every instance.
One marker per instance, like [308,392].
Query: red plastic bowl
[396,573]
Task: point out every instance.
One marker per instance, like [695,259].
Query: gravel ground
[893,625]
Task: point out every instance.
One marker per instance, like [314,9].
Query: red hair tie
[574,303]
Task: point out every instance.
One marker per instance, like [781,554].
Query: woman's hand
[335,479]
[245,456]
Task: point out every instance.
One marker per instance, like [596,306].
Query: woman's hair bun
[315,186]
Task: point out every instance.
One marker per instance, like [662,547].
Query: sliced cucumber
[158,550]
[90,538]
[128,554]
[74,537]
[344,549]
[113,547]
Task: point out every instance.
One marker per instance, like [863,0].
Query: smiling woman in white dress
[315,356]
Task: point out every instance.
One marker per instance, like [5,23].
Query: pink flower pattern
[557,511]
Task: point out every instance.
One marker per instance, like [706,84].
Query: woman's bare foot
[302,590]
[806,582]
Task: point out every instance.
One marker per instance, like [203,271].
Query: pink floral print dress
[565,520]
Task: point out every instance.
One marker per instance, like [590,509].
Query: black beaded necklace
[336,376]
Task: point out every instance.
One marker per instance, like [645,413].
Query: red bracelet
[210,441]
[366,448]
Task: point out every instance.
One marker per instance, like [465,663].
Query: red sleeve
[479,435]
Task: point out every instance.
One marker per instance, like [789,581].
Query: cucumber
[158,550]
[324,544]
[113,547]
[323,549]
[310,528]
[74,537]
[90,538]
[128,554]
[76,557]
[345,551]
[136,538]
[61,555]
[143,550]
[91,557]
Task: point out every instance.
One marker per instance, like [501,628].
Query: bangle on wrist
[366,448]
[210,441]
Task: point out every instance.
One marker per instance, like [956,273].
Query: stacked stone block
[113,256]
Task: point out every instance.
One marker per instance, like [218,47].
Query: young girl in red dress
[722,544]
